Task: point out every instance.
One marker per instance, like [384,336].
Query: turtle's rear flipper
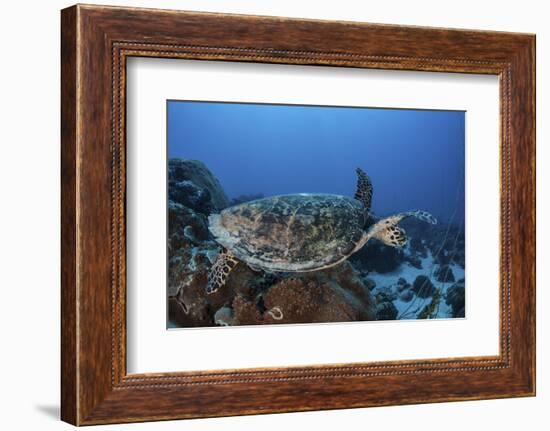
[387,231]
[223,265]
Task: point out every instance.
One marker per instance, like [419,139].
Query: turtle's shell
[300,232]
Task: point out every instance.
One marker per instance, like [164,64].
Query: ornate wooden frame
[95,42]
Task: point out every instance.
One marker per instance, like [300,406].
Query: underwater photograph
[293,214]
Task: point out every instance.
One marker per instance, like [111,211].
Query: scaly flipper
[221,268]
[387,231]
[363,192]
[421,215]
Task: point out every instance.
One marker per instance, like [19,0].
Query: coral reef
[193,193]
[193,177]
[377,283]
[249,297]
[189,305]
[333,295]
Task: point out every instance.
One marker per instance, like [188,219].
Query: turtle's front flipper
[387,231]
[363,192]
[223,265]
[421,215]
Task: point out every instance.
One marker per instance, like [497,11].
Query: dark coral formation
[378,257]
[423,286]
[333,295]
[193,193]
[444,273]
[456,296]
[191,183]
[386,310]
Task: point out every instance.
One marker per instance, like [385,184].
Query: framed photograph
[322,214]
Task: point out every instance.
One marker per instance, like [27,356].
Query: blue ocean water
[415,158]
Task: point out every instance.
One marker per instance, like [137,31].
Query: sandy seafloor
[409,310]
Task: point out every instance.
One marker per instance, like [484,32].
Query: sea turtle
[300,232]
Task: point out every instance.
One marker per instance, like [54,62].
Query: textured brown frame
[96,41]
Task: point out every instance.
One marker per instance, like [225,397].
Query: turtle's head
[387,231]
